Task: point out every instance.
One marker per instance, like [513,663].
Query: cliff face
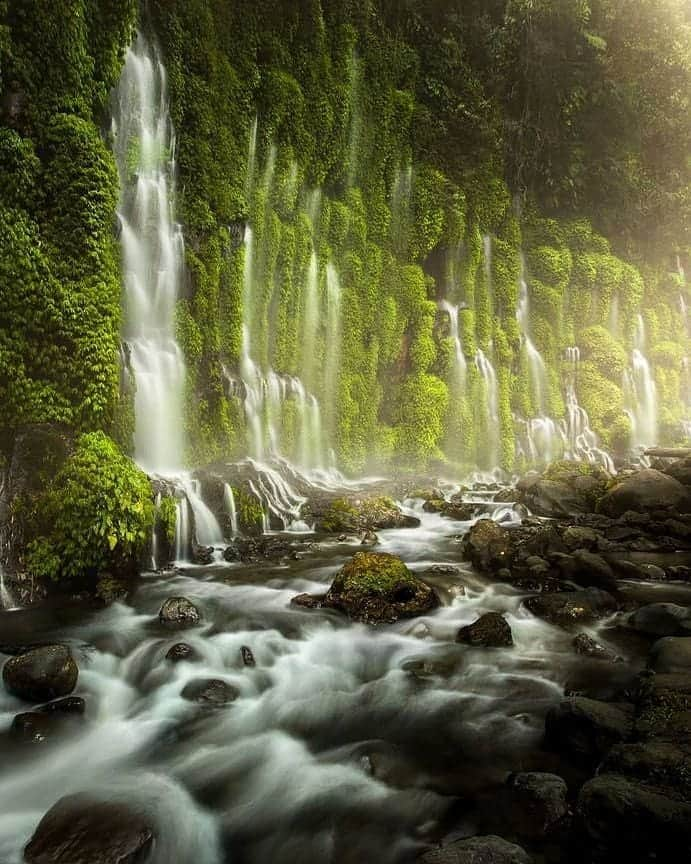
[392,227]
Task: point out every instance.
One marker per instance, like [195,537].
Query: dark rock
[458,510]
[369,538]
[566,488]
[644,491]
[586,729]
[209,691]
[181,651]
[308,601]
[662,619]
[442,571]
[488,546]
[434,505]
[41,674]
[378,588]
[538,801]
[477,850]
[671,654]
[179,612]
[569,607]
[110,589]
[679,573]
[490,630]
[81,830]
[625,820]
[68,705]
[579,537]
[247,656]
[657,762]
[590,648]
[32,727]
[593,571]
[202,555]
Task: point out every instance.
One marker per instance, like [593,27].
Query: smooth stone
[662,619]
[247,656]
[644,491]
[33,727]
[179,612]
[588,647]
[477,850]
[586,729]
[41,674]
[307,601]
[67,705]
[488,546]
[491,630]
[181,651]
[671,654]
[623,819]
[81,830]
[209,691]
[569,607]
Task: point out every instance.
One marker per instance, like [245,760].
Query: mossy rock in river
[354,515]
[378,588]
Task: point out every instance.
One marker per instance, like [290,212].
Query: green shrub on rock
[95,516]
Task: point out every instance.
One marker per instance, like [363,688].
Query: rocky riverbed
[492,674]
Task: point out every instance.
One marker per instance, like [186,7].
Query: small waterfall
[310,322]
[7,601]
[278,498]
[460,364]
[229,502]
[153,254]
[640,393]
[183,530]
[207,531]
[580,442]
[491,407]
[536,365]
[333,344]
[154,534]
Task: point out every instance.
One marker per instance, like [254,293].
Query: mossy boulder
[488,546]
[358,515]
[378,588]
[564,488]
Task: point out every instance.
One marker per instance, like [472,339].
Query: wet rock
[247,656]
[80,830]
[490,630]
[354,515]
[179,612]
[579,537]
[657,762]
[434,505]
[458,510]
[488,546]
[68,705]
[32,727]
[110,589]
[308,601]
[202,555]
[442,571]
[569,607]
[622,819]
[181,651]
[588,647]
[538,801]
[662,619]
[378,588]
[644,491]
[671,654]
[591,570]
[477,850]
[41,674]
[679,573]
[585,729]
[209,691]
[369,538]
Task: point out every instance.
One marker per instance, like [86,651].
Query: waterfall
[640,393]
[310,321]
[229,502]
[7,601]
[460,364]
[207,531]
[536,365]
[333,344]
[183,531]
[278,498]
[491,407]
[580,441]
[152,252]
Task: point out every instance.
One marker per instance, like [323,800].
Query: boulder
[477,850]
[570,607]
[461,511]
[488,546]
[585,729]
[588,647]
[369,538]
[565,489]
[662,619]
[622,819]
[658,762]
[378,588]
[538,801]
[179,612]
[181,651]
[643,492]
[32,727]
[671,654]
[490,630]
[209,691]
[68,705]
[591,570]
[81,830]
[354,515]
[41,674]
[307,601]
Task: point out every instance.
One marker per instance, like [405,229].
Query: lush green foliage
[95,516]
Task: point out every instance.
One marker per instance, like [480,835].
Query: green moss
[372,573]
[249,510]
[96,515]
[604,351]
[167,517]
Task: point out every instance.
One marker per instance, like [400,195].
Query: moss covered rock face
[378,588]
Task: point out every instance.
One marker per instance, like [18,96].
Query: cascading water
[490,420]
[580,441]
[152,250]
[231,510]
[640,393]
[460,364]
[7,601]
[333,344]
